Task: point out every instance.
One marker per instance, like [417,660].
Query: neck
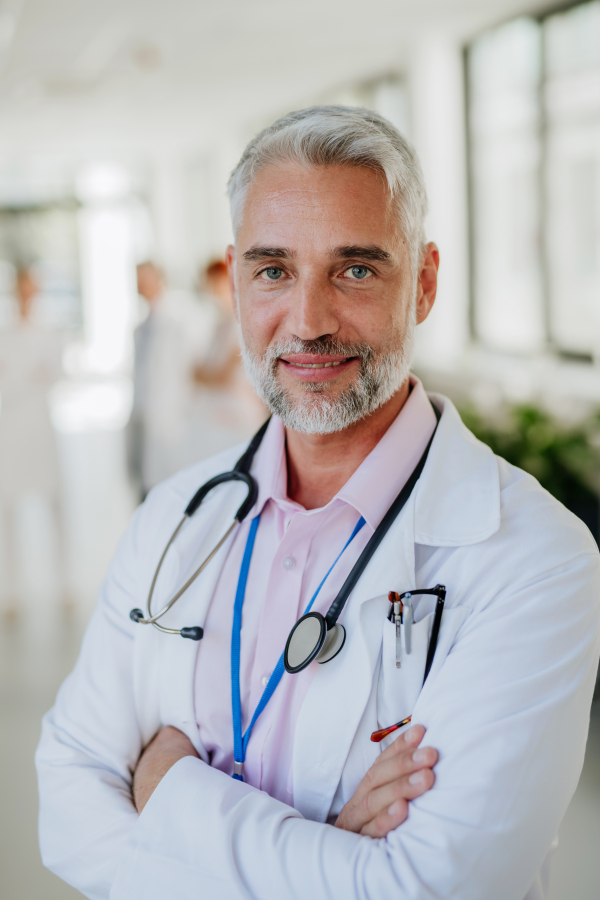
[319,465]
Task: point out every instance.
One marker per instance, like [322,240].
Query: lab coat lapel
[340,690]
[455,502]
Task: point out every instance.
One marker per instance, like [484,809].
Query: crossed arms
[380,804]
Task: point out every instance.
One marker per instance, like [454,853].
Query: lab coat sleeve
[91,741]
[508,711]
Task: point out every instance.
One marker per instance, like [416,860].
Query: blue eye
[359,272]
[273,273]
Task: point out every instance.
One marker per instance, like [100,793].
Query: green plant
[565,460]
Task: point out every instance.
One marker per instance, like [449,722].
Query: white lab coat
[506,704]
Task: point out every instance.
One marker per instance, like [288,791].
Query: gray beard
[318,411]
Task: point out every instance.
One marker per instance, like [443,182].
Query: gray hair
[340,135]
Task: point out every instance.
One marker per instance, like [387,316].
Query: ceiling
[169,74]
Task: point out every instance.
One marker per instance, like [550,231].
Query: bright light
[108,269]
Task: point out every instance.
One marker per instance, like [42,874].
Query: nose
[312,311]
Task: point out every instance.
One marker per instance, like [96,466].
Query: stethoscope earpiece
[194,633]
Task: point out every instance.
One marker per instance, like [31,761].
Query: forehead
[291,204]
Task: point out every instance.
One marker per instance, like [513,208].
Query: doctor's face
[325,293]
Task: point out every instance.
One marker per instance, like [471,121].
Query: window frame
[539,16]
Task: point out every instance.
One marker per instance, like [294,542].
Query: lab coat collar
[457,499]
[388,467]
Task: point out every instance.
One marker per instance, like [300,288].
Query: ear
[427,281]
[231,278]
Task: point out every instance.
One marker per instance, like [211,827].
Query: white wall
[438,132]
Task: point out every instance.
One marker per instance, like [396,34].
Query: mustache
[322,346]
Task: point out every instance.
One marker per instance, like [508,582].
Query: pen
[405,609]
[383,732]
[407,621]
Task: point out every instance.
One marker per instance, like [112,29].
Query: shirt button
[265,680]
[288,562]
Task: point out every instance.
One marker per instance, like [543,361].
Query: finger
[409,787]
[380,772]
[386,821]
[392,764]
[410,738]
[394,813]
[404,763]
[401,786]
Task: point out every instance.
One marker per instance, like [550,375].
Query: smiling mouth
[319,365]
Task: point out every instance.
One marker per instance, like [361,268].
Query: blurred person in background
[223,358]
[30,363]
[168,345]
[226,409]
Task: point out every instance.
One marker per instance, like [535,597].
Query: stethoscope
[314,637]
[239,473]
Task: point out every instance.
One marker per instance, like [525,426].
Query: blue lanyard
[240,742]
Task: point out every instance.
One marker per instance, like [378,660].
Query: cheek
[400,316]
[380,324]
[259,321]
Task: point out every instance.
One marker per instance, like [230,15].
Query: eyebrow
[255,254]
[352,251]
[372,253]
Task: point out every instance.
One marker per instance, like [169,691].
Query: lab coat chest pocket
[399,688]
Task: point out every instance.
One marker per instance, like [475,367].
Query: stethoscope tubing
[153,619]
[240,473]
[378,535]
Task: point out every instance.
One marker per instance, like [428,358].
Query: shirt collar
[378,479]
[387,468]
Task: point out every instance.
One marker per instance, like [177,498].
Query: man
[330,274]
[168,344]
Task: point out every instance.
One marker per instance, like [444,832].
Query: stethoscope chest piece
[334,641]
[310,641]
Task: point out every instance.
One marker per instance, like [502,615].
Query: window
[44,236]
[534,131]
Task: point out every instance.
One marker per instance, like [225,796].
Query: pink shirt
[294,549]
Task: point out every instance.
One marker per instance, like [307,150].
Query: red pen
[383,732]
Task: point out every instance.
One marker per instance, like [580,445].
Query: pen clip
[396,611]
[408,618]
[395,606]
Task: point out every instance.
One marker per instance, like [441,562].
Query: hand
[164,750]
[399,774]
